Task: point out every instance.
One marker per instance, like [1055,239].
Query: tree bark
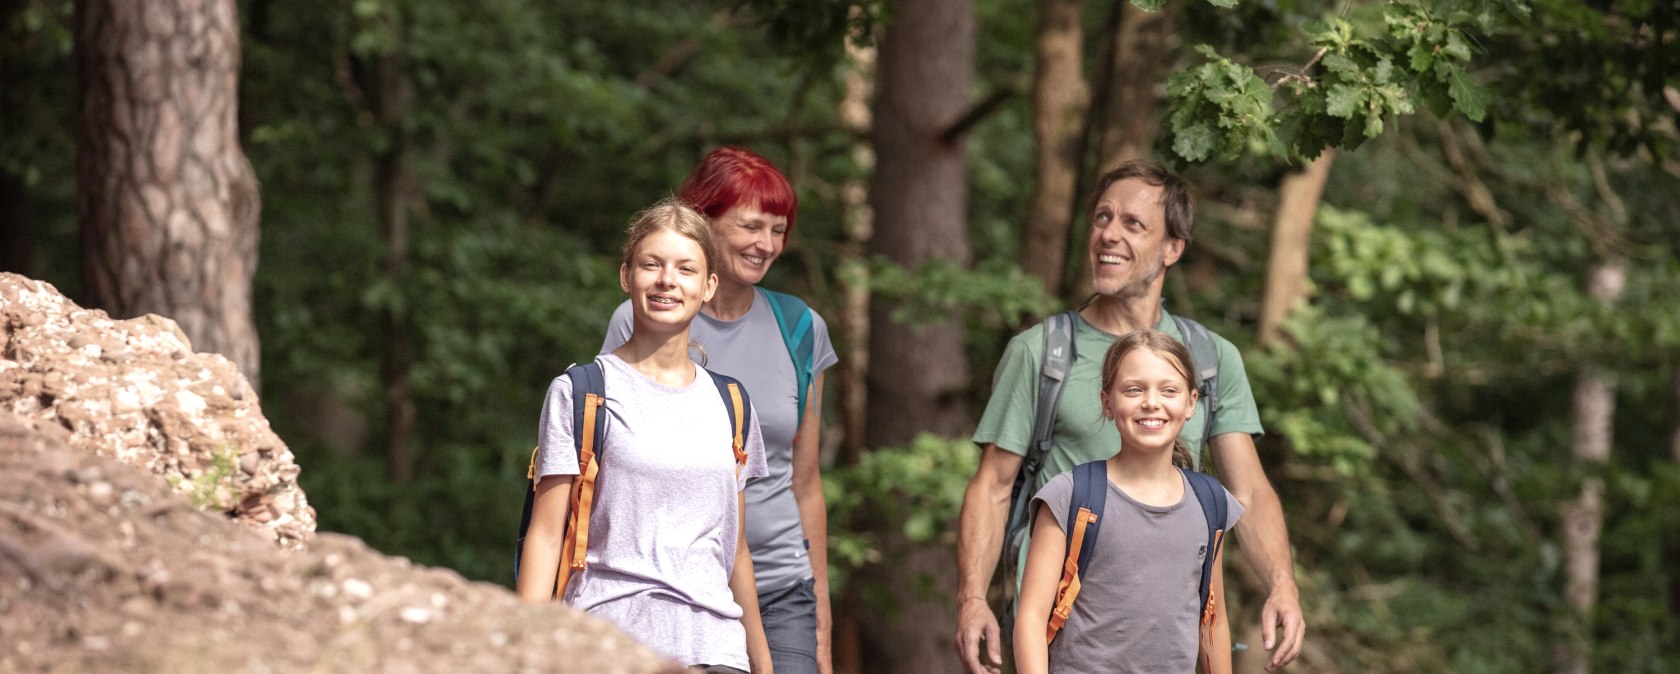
[1060,103]
[919,195]
[1593,415]
[1140,44]
[168,203]
[1286,270]
[847,638]
[390,100]
[918,374]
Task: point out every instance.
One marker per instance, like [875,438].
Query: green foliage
[917,488]
[1364,76]
[994,293]
[1221,108]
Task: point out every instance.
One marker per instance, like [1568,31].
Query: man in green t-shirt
[1140,225]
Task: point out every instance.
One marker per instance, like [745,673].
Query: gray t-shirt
[750,349]
[662,534]
[1137,608]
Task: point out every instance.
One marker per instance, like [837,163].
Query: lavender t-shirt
[663,532]
[750,349]
[1137,608]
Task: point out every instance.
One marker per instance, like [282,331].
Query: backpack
[589,395]
[793,319]
[1060,350]
[1090,491]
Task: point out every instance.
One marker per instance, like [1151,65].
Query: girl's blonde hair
[672,214]
[1163,345]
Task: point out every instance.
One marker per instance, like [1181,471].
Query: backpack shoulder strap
[1090,495]
[1205,352]
[1211,495]
[589,435]
[736,403]
[794,320]
[1059,352]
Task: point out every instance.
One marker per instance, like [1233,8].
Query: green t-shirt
[1081,434]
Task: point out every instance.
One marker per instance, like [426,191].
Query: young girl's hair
[675,215]
[730,176]
[1162,345]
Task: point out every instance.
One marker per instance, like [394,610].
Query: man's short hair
[1177,201]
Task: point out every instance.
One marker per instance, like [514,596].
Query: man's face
[1129,247]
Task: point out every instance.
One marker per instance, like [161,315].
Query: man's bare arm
[979,542]
[1265,539]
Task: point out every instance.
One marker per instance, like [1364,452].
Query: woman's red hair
[730,176]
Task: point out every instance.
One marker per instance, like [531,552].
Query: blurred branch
[1469,181]
[1408,458]
[977,113]
[679,54]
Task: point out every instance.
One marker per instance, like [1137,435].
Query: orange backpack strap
[1090,494]
[573,551]
[589,438]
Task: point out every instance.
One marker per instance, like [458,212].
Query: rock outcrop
[115,439]
[135,391]
[103,569]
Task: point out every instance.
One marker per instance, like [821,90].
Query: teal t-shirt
[1081,434]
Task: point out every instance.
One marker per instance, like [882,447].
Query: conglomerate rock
[103,569]
[135,391]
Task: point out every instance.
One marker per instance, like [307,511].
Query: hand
[1282,627]
[976,623]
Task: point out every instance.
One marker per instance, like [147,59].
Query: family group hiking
[676,491]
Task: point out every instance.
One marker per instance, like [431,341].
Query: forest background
[1445,236]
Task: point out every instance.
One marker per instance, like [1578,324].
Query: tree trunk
[1286,270]
[919,194]
[1140,44]
[918,374]
[1593,415]
[847,638]
[1060,104]
[168,203]
[390,99]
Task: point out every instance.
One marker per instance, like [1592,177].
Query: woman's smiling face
[751,240]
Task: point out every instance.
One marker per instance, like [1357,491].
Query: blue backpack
[589,395]
[793,319]
[1090,492]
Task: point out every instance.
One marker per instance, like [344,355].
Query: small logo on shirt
[1201,552]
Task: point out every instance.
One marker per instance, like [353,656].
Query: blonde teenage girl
[666,559]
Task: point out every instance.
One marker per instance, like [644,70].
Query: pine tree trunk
[918,374]
[1593,416]
[1286,268]
[1060,104]
[168,202]
[919,195]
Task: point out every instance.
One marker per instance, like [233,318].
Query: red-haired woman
[778,347]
